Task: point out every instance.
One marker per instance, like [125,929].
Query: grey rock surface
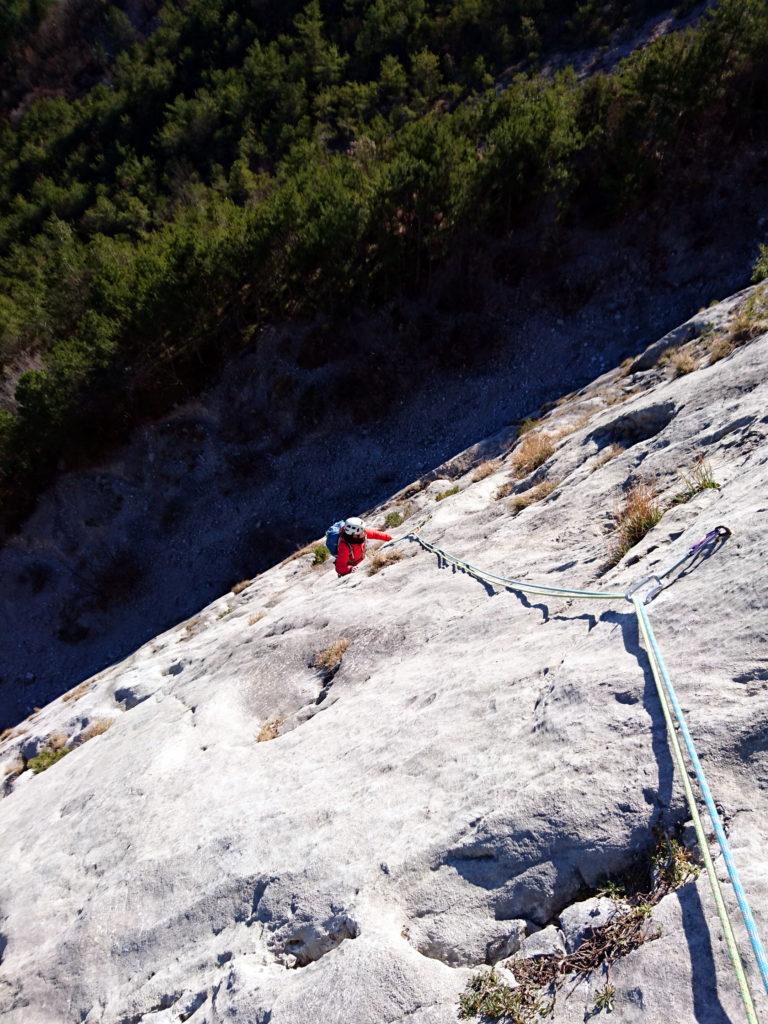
[579,919]
[236,835]
[544,942]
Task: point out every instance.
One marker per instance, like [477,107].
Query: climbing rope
[640,594]
[714,882]
[658,666]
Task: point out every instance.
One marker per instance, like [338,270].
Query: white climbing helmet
[353,525]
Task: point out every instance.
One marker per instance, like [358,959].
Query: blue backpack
[332,537]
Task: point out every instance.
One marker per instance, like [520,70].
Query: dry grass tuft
[752,318]
[270,730]
[77,692]
[96,728]
[504,490]
[719,347]
[485,469]
[330,658]
[681,362]
[641,512]
[536,493]
[699,478]
[192,628]
[57,741]
[238,588]
[7,734]
[606,455]
[306,549]
[381,559]
[570,428]
[529,423]
[256,617]
[581,421]
[532,452]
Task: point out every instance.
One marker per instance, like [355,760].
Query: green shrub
[760,269]
[320,554]
[393,519]
[42,761]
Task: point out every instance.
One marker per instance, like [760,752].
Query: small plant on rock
[485,469]
[613,890]
[536,493]
[681,362]
[329,659]
[45,759]
[238,588]
[96,728]
[532,452]
[719,347]
[641,512]
[527,424]
[447,493]
[604,998]
[270,730]
[760,269]
[393,519]
[752,318]
[78,691]
[606,455]
[381,559]
[487,995]
[672,864]
[699,478]
[319,554]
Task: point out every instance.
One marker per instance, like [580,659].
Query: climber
[351,544]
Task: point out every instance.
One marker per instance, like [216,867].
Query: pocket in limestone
[634,426]
[302,924]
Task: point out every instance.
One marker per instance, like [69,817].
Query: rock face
[257,839]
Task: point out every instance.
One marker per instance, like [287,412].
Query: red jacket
[351,554]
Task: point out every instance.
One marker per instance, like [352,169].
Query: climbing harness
[639,595]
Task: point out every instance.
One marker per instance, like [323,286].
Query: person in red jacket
[352,540]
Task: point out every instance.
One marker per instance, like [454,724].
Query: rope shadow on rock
[707,1008]
[492,589]
[627,623]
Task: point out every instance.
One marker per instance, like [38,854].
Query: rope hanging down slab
[652,585]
